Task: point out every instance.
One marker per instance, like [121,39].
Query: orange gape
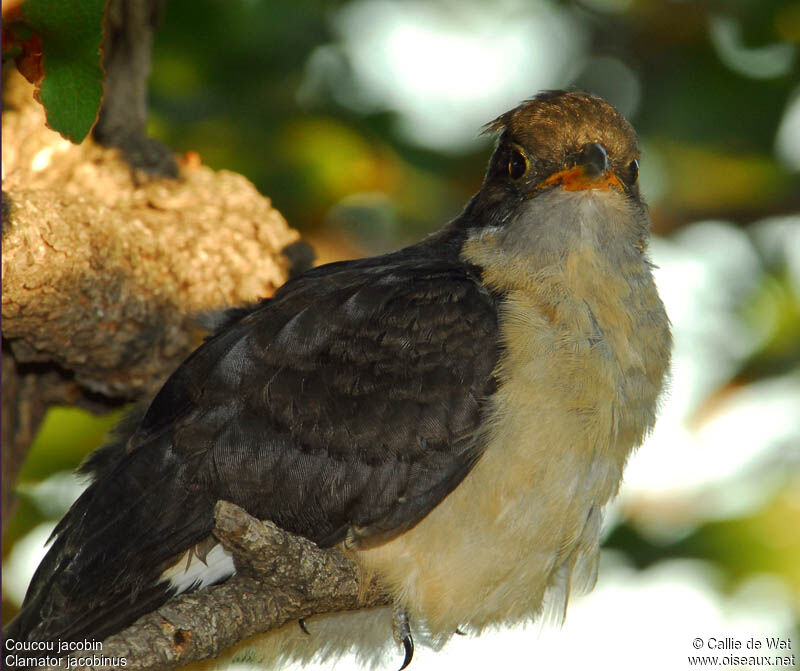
[576,179]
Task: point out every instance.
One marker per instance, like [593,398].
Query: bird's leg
[302,623]
[402,634]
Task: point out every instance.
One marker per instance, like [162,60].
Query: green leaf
[72,88]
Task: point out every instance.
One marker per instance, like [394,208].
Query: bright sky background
[447,68]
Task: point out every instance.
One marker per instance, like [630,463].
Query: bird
[455,414]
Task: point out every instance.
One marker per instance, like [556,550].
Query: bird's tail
[106,565]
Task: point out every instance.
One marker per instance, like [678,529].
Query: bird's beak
[590,172]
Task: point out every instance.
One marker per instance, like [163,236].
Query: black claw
[460,633]
[402,633]
[408,644]
[302,624]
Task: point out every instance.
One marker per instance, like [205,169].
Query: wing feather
[344,407]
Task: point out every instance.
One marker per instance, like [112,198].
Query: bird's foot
[302,624]
[402,634]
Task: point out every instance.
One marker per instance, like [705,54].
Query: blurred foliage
[267,89]
[766,541]
[248,100]
[57,47]
[66,436]
[772,310]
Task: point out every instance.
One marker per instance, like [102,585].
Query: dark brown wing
[347,403]
[352,412]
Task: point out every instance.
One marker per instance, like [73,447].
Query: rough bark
[280,578]
[103,278]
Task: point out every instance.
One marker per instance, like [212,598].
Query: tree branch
[280,578]
[103,277]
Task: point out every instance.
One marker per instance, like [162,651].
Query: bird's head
[575,141]
[564,171]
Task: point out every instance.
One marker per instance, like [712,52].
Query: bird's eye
[517,164]
[633,171]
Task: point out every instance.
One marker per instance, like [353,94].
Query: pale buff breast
[586,349]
